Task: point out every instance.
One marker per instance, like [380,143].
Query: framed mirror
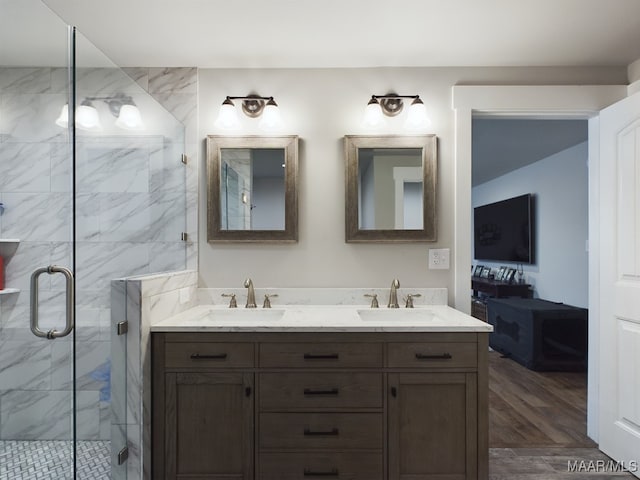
[391,188]
[252,189]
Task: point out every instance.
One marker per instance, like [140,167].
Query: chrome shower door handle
[70,321]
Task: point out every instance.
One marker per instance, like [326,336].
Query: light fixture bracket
[392,103]
[253,105]
[114,102]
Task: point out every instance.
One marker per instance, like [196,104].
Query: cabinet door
[432,426]
[209,426]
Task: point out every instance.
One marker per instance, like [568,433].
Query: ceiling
[337,33]
[501,145]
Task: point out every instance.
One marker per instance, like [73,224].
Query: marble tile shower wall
[130,211]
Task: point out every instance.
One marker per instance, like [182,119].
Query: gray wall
[321,106]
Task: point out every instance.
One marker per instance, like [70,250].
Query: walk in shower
[88,186]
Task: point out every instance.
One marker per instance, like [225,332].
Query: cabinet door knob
[394,392]
[247,391]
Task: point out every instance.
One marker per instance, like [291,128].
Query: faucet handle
[409,299]
[267,300]
[374,299]
[232,303]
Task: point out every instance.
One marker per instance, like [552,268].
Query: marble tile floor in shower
[51,460]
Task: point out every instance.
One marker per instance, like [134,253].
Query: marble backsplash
[322,296]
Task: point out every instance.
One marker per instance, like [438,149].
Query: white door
[619,211]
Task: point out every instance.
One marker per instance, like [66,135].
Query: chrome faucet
[393,294]
[251,294]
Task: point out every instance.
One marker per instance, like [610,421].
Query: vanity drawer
[327,431]
[432,355]
[302,391]
[305,466]
[320,355]
[209,354]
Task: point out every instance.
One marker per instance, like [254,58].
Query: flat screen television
[503,231]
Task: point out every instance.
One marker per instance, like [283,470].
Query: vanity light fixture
[391,105]
[86,117]
[121,106]
[253,106]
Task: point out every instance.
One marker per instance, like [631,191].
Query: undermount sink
[396,314]
[245,315]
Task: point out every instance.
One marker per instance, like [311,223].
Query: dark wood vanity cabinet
[203,409]
[436,414]
[296,406]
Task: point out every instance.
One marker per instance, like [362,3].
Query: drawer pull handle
[310,433]
[331,391]
[321,356]
[444,356]
[328,473]
[219,356]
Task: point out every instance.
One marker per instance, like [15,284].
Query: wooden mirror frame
[428,145]
[214,145]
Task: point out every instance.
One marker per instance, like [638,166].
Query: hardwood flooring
[537,426]
[552,464]
[530,409]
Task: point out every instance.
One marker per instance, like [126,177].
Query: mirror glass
[252,188]
[390,188]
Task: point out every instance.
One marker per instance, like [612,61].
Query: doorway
[545,158]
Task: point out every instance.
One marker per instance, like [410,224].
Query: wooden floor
[552,464]
[530,409]
[537,426]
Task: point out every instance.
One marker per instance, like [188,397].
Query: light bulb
[271,119]
[228,116]
[373,116]
[417,116]
[87,117]
[130,118]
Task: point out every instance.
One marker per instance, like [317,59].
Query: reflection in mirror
[252,188]
[390,188]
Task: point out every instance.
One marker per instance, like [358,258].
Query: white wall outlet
[439,258]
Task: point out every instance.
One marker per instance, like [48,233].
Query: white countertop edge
[317,329]
[322,318]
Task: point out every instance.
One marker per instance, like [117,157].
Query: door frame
[560,101]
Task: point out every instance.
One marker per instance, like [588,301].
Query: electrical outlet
[439,258]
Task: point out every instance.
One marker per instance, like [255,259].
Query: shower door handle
[53,333]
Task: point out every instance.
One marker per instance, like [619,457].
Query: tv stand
[495,289]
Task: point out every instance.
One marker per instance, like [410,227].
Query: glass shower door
[37,401]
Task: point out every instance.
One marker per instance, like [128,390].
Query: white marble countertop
[321,318]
